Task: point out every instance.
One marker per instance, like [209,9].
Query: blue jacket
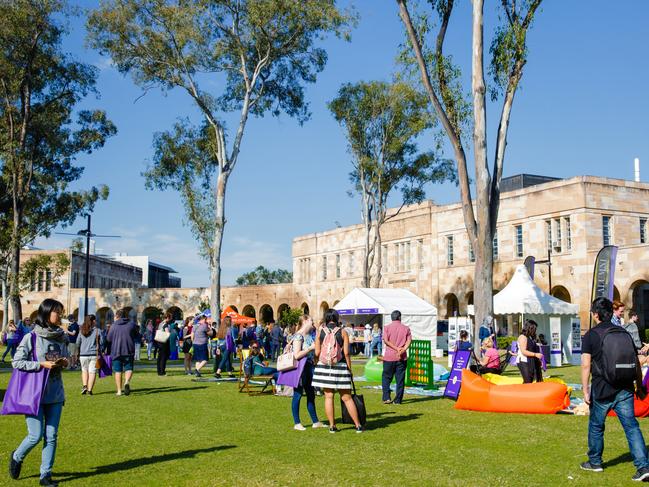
[121,338]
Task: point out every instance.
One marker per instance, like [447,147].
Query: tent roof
[237,319]
[522,295]
[384,301]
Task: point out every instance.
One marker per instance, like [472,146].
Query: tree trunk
[5,303]
[378,244]
[367,224]
[14,272]
[483,283]
[215,271]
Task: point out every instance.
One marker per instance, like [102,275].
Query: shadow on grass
[155,390]
[624,458]
[137,463]
[385,419]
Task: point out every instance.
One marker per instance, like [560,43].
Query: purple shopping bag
[25,389]
[292,377]
[106,368]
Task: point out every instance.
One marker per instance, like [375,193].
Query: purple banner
[460,362]
[367,311]
[345,311]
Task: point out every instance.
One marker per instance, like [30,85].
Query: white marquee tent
[416,313]
[557,319]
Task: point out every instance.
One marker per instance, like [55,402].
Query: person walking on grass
[149,335]
[608,355]
[333,371]
[303,345]
[397,338]
[199,338]
[225,345]
[51,353]
[12,340]
[187,345]
[90,344]
[276,335]
[72,330]
[163,348]
[121,338]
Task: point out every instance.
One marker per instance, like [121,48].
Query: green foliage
[261,276]
[42,130]
[505,342]
[291,316]
[203,305]
[77,245]
[31,269]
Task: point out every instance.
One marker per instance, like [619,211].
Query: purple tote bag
[292,377]
[106,368]
[25,389]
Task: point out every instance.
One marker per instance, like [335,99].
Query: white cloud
[104,64]
[248,254]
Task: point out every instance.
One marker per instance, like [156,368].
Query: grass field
[172,431]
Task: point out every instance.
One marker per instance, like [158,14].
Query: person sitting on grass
[122,350]
[256,364]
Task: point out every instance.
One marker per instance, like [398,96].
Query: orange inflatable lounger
[477,394]
[640,406]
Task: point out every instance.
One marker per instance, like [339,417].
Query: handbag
[292,377]
[105,366]
[360,408]
[187,345]
[25,389]
[287,360]
[162,336]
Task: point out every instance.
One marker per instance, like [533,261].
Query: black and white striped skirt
[334,377]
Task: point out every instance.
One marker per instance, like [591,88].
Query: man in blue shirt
[73,334]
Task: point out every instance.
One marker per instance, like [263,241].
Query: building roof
[163,267]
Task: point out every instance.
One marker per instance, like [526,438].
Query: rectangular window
[494,245]
[337,266]
[606,230]
[548,231]
[41,281]
[48,280]
[566,222]
[519,240]
[643,230]
[471,252]
[557,243]
[420,253]
[324,267]
[449,250]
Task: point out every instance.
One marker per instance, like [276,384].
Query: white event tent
[557,320]
[365,303]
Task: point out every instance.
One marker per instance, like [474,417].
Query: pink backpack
[330,351]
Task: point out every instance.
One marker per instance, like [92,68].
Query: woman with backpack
[302,344]
[529,355]
[43,348]
[333,371]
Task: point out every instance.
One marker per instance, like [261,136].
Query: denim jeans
[274,350]
[304,388]
[378,343]
[47,423]
[149,349]
[367,349]
[11,349]
[224,363]
[390,369]
[622,404]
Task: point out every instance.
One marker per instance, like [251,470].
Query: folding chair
[248,383]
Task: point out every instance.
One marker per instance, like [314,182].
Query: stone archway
[249,311]
[283,308]
[176,313]
[560,292]
[616,294]
[266,314]
[452,305]
[305,308]
[105,316]
[151,313]
[324,307]
[639,293]
[233,307]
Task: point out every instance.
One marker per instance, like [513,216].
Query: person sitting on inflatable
[490,360]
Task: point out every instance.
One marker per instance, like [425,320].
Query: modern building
[153,275]
[426,250]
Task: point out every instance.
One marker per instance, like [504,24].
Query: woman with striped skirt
[333,370]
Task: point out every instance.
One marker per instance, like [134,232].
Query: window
[643,230]
[41,281]
[566,222]
[75,279]
[352,263]
[48,280]
[557,244]
[337,266]
[471,252]
[606,230]
[324,267]
[494,245]
[449,249]
[519,240]
[420,253]
[548,231]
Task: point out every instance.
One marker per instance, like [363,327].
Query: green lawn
[172,431]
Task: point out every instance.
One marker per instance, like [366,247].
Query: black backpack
[618,359]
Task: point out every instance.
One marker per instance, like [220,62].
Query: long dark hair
[87,326]
[331,316]
[45,310]
[529,329]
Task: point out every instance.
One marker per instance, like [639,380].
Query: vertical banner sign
[604,274]
[575,341]
[530,260]
[555,341]
[460,362]
[453,337]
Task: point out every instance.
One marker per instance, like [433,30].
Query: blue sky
[582,109]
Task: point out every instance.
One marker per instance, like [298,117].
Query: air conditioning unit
[556,244]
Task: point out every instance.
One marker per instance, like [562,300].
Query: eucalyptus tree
[42,129]
[440,80]
[242,56]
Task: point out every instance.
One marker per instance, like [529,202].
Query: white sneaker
[318,425]
[299,427]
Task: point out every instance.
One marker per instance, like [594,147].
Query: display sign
[555,341]
[460,362]
[575,341]
[367,311]
[455,326]
[345,311]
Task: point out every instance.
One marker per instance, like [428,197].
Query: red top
[398,335]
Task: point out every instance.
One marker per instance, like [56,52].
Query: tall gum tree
[260,54]
[509,55]
[41,129]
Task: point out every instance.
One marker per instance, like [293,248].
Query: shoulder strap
[33,339]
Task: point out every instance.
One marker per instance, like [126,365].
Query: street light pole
[87,280]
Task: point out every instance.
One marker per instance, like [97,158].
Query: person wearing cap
[367,339]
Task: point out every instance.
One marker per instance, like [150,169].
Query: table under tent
[557,320]
[364,305]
